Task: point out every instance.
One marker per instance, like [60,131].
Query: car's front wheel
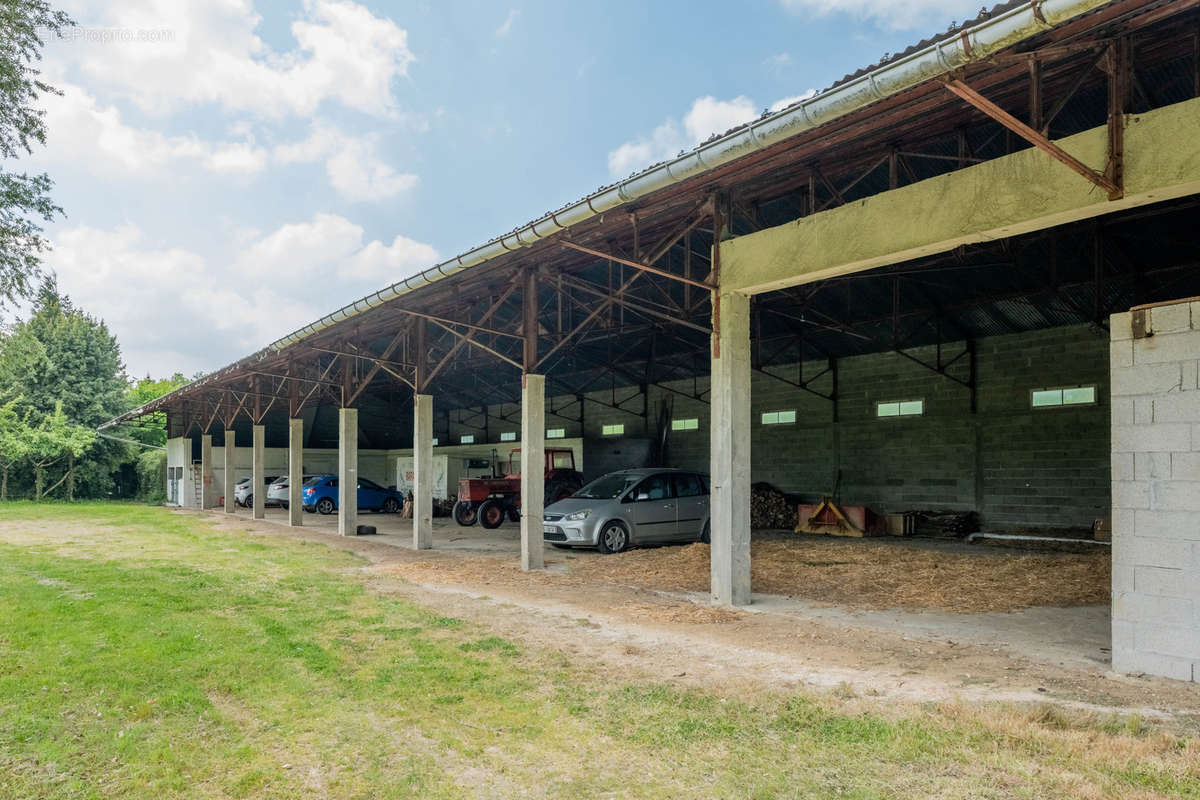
[326,506]
[391,505]
[614,538]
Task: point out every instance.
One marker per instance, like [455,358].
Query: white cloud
[707,116]
[82,130]
[507,26]
[379,263]
[782,103]
[332,244]
[139,291]
[891,14]
[302,249]
[355,168]
[663,143]
[211,54]
[277,284]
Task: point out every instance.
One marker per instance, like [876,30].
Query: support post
[533,459]
[206,471]
[729,518]
[230,468]
[295,472]
[348,471]
[258,486]
[422,471]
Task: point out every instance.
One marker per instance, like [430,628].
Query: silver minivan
[633,506]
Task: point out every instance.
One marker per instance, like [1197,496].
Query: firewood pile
[770,508]
[946,523]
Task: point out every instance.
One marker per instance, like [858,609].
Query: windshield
[313,481]
[608,487]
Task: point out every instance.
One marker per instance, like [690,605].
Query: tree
[62,357]
[15,437]
[61,354]
[24,199]
[141,392]
[55,439]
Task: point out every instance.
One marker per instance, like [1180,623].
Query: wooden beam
[636,265]
[529,322]
[468,339]
[378,365]
[974,98]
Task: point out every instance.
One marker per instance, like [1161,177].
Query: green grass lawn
[149,654]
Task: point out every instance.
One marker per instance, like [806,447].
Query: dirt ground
[857,574]
[578,608]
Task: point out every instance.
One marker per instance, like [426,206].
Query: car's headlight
[579,515]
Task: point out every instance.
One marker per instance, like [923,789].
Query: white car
[243,494]
[277,492]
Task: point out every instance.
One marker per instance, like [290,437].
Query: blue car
[320,494]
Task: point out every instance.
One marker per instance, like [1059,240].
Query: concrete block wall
[1048,464]
[1156,492]
[1018,466]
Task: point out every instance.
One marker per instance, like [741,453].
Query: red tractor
[490,500]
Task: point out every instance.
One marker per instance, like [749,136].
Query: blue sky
[231,170]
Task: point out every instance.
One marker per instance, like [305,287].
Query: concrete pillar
[230,469]
[1155,405]
[258,487]
[422,472]
[295,472]
[729,525]
[533,478]
[207,489]
[348,471]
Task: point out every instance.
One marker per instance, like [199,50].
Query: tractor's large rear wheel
[465,514]
[559,490]
[492,513]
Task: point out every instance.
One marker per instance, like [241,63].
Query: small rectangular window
[467,438]
[900,408]
[614,430]
[508,436]
[556,433]
[688,424]
[778,417]
[1070,396]
[1081,395]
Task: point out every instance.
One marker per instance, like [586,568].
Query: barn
[964,279]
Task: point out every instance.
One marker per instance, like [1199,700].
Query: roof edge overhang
[953,51]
